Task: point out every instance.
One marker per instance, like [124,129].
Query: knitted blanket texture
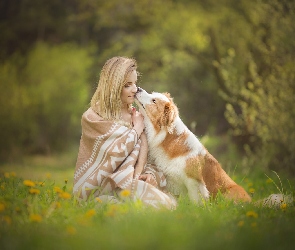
[107,163]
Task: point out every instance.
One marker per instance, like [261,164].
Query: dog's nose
[139,89]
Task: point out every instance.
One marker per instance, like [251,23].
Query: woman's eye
[129,85]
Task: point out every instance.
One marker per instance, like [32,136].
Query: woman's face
[129,89]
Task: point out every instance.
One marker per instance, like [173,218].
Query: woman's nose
[135,89]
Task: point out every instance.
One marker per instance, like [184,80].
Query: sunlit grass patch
[41,214]
[56,167]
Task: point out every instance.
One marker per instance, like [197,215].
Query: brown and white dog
[189,168]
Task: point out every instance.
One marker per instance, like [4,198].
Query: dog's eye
[154,100]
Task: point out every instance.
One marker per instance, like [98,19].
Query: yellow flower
[90,213]
[241,223]
[41,183]
[283,206]
[252,214]
[34,191]
[12,174]
[17,209]
[138,204]
[29,183]
[56,204]
[65,195]
[7,219]
[2,207]
[269,181]
[8,175]
[112,210]
[71,230]
[35,218]
[251,190]
[125,193]
[57,190]
[98,200]
[66,181]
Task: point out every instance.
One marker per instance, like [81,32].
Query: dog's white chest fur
[173,168]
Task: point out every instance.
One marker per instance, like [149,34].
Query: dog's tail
[276,201]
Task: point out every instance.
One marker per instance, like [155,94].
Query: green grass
[57,167]
[51,220]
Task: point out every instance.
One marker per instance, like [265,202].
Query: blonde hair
[106,100]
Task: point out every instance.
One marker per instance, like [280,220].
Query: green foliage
[228,64]
[44,100]
[11,108]
[259,83]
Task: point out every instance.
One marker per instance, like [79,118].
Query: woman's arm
[148,176]
[137,121]
[138,126]
[142,157]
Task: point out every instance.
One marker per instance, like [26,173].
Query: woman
[113,147]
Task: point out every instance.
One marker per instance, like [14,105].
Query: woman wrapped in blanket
[113,148]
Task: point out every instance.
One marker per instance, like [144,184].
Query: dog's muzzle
[139,89]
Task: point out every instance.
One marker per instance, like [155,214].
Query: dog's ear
[169,116]
[167,94]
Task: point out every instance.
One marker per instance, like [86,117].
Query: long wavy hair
[106,100]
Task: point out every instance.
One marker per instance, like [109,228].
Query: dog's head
[159,108]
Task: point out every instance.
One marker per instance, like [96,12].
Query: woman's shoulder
[91,116]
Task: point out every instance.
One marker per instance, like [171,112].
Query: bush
[258,82]
[43,98]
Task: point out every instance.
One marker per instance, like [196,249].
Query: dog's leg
[196,190]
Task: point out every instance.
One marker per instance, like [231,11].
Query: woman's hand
[137,120]
[149,178]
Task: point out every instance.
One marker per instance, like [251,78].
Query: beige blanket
[106,164]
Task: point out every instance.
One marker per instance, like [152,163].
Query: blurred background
[230,66]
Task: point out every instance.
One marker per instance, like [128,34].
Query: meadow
[38,211]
